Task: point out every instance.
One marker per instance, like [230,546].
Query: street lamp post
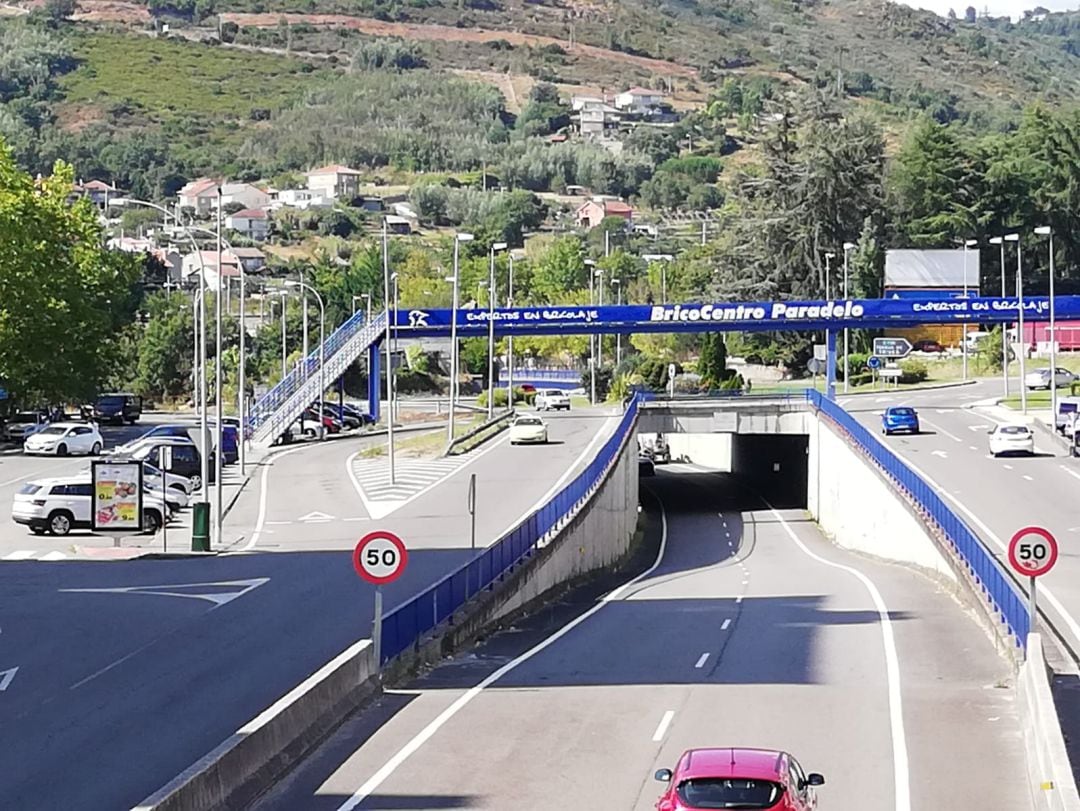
[599,273]
[495,246]
[1046,230]
[510,338]
[389,356]
[219,506]
[394,401]
[456,279]
[968,243]
[1021,340]
[204,471]
[322,345]
[1004,327]
[828,289]
[590,264]
[848,248]
[617,282]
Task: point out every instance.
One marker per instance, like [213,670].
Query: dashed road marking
[661,728]
[726,625]
[701,662]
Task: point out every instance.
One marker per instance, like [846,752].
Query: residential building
[98,191]
[597,120]
[934,274]
[591,213]
[638,100]
[244,194]
[251,259]
[253,223]
[335,181]
[303,198]
[579,102]
[398,225]
[199,195]
[168,256]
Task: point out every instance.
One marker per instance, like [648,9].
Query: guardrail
[479,429]
[986,574]
[408,622]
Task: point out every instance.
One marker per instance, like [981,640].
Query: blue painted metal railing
[405,624]
[983,569]
[267,405]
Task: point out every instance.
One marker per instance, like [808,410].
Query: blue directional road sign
[892,347]
[874,362]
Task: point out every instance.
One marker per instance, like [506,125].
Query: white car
[552,399]
[21,425]
[60,505]
[528,430]
[1012,439]
[63,438]
[1040,378]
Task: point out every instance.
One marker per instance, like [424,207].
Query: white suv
[549,399]
[58,506]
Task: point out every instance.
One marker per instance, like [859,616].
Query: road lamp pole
[495,246]
[848,248]
[1046,230]
[968,243]
[389,355]
[456,279]
[200,320]
[599,272]
[1022,341]
[1004,326]
[617,282]
[322,347]
[590,265]
[219,511]
[828,332]
[394,284]
[510,338]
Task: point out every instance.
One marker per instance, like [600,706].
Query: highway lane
[139,684]
[998,496]
[750,630]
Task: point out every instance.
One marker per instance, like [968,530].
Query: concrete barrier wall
[598,537]
[1049,770]
[237,771]
[855,505]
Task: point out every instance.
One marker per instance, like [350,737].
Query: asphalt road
[128,672]
[998,496]
[752,630]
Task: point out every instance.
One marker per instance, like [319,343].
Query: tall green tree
[66,298]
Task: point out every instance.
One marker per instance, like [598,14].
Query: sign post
[472,510]
[117,509]
[1033,551]
[166,466]
[671,380]
[892,348]
[380,557]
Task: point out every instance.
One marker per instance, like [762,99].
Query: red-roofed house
[591,213]
[335,181]
[638,100]
[200,194]
[251,222]
[98,191]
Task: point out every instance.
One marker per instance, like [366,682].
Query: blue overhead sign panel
[938,294]
[733,317]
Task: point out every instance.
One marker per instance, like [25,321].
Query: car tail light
[39,502]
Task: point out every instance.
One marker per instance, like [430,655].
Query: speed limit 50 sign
[1033,551]
[380,557]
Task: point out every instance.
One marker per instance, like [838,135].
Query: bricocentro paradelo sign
[777,311]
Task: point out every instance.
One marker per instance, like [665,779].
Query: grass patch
[427,443]
[167,79]
[480,438]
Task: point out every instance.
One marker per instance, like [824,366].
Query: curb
[933,386]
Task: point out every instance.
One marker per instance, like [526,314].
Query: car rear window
[714,792]
[903,412]
[1014,429]
[110,402]
[29,489]
[528,421]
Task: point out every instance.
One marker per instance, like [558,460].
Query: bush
[913,371]
[856,365]
[415,382]
[520,396]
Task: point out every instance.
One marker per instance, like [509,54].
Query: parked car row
[334,418]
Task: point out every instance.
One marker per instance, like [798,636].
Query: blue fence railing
[406,623]
[985,572]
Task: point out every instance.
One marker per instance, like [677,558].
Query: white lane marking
[355,519]
[941,430]
[738,599]
[973,447]
[726,625]
[746,582]
[51,556]
[1070,471]
[1026,476]
[1007,466]
[942,454]
[701,662]
[380,508]
[661,728]
[218,598]
[43,473]
[977,428]
[399,757]
[6,677]
[20,554]
[901,773]
[264,485]
[277,523]
[1074,627]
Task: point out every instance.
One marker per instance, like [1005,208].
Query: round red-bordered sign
[380,557]
[1034,557]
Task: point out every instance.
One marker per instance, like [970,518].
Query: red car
[738,778]
[927,346]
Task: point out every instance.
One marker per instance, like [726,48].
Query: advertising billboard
[118,496]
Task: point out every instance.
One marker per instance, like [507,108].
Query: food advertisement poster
[117,496]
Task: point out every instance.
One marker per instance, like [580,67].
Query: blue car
[899,418]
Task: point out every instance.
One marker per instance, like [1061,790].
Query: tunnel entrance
[774,465]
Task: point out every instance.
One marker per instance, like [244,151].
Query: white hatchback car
[60,505]
[528,430]
[1040,378]
[552,399]
[1012,439]
[63,438]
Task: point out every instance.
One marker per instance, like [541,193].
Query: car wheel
[151,522]
[196,482]
[60,523]
[96,450]
[61,449]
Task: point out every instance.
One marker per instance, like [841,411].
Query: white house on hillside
[200,194]
[251,222]
[639,100]
[303,198]
[334,181]
[245,194]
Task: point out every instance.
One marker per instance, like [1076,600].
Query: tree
[66,298]
[165,349]
[561,269]
[712,362]
[970,14]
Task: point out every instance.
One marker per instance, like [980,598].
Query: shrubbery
[913,371]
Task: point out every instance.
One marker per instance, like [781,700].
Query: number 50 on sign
[1033,551]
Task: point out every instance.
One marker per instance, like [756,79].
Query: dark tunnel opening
[774,465]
